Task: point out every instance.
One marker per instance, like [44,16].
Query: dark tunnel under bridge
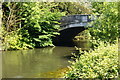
[66,36]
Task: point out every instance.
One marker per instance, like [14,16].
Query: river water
[35,63]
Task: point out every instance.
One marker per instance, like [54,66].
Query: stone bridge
[76,21]
[70,26]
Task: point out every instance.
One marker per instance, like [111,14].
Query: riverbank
[101,62]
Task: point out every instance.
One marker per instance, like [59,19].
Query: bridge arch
[66,36]
[70,26]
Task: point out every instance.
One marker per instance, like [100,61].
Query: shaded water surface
[36,63]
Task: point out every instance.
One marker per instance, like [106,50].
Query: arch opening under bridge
[70,27]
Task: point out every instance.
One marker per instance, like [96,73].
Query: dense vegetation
[99,63]
[33,24]
[102,61]
[71,8]
[29,25]
[106,26]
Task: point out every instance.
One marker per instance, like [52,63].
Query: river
[36,63]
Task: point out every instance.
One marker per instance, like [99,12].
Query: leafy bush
[106,26]
[11,31]
[40,22]
[13,41]
[99,63]
[29,24]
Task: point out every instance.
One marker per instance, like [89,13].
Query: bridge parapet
[76,21]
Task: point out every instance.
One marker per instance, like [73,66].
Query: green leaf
[37,39]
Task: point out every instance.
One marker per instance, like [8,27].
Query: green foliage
[83,40]
[13,41]
[106,26]
[28,25]
[34,23]
[99,63]
[11,16]
[72,8]
[40,22]
[84,35]
[102,61]
[11,27]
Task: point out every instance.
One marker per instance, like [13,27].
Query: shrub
[99,63]
[41,22]
[106,26]
[14,41]
[29,25]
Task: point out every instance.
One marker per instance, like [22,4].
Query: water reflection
[29,63]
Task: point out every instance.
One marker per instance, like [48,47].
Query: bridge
[76,21]
[70,26]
